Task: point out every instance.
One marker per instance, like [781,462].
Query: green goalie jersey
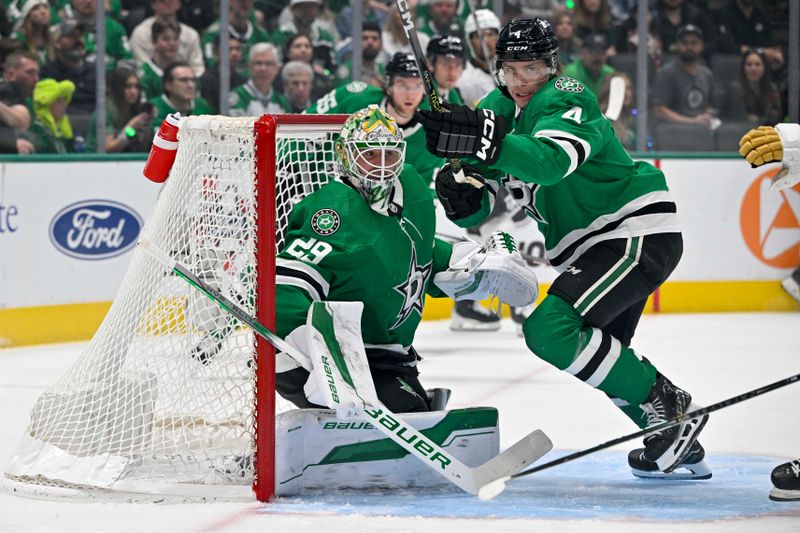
[564,167]
[338,249]
[358,95]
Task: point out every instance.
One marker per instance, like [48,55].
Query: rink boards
[67,229]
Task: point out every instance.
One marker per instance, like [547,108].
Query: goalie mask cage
[172,399]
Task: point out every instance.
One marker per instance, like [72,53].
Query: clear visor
[521,74]
[374,162]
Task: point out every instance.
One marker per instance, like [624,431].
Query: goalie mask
[370,152]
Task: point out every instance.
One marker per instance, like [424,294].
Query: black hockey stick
[427,82]
[664,425]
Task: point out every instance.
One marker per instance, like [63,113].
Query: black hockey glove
[459,200]
[463,132]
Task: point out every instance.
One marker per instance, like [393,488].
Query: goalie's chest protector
[384,261]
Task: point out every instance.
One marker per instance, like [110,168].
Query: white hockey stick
[616,98]
[485,481]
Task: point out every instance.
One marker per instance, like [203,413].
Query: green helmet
[370,152]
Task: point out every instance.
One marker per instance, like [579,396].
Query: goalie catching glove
[497,268]
[463,132]
[766,144]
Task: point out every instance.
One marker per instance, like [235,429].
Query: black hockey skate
[692,467]
[669,447]
[786,482]
[472,316]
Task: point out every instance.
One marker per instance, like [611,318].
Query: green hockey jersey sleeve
[442,250]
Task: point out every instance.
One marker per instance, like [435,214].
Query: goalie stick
[479,481]
[427,82]
[658,427]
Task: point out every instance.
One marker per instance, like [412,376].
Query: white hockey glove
[766,144]
[496,268]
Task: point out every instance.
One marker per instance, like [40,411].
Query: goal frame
[91,470]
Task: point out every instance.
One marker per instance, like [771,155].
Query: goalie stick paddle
[484,481]
[664,425]
[427,82]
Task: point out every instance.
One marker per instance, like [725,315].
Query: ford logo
[95,229]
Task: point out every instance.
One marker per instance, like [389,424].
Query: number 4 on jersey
[573,114]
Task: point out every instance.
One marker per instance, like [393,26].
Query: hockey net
[172,398]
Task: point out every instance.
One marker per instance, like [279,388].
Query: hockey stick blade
[697,413]
[485,481]
[616,98]
[492,475]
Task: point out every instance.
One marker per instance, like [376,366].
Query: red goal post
[270,128]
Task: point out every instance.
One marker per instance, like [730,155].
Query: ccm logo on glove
[487,149]
[463,132]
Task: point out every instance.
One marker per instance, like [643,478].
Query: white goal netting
[162,399]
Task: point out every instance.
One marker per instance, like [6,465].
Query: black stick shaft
[427,77]
[664,425]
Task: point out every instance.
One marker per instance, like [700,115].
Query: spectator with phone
[127,117]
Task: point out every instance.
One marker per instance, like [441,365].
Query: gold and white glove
[766,144]
[496,268]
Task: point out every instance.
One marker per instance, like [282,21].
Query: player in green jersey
[610,228]
[447,58]
[402,95]
[370,237]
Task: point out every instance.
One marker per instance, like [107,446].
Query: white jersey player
[761,146]
[477,81]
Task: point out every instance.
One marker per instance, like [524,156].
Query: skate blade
[694,426]
[783,495]
[682,472]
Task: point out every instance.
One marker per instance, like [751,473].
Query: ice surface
[712,356]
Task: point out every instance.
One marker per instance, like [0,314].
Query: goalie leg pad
[341,375]
[316,450]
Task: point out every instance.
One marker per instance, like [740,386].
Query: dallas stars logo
[412,289]
[569,85]
[376,119]
[325,222]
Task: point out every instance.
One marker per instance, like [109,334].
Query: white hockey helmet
[487,20]
[370,152]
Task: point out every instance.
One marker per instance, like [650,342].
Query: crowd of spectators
[716,67]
